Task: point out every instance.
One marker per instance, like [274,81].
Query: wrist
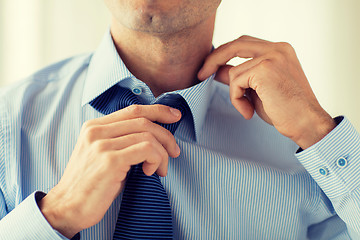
[314,129]
[57,215]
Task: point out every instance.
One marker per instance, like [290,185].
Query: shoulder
[40,95]
[54,73]
[44,82]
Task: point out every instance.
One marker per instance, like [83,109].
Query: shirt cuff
[334,162]
[27,222]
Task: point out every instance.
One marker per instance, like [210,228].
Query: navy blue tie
[145,211]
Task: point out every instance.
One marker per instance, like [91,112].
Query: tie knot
[174,101]
[114,99]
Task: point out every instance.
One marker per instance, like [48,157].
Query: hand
[105,151]
[273,83]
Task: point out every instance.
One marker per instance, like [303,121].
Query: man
[232,178]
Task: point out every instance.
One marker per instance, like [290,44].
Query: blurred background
[324,33]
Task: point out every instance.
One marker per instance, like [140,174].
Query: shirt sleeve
[334,163]
[27,222]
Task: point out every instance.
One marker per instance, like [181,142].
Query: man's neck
[164,62]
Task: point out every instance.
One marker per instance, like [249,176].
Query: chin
[154,18]
[161,16]
[155,23]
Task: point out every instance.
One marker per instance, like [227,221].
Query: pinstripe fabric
[145,211]
[234,179]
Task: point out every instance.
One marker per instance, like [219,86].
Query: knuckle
[162,109]
[244,37]
[135,110]
[100,146]
[232,73]
[92,132]
[148,146]
[219,49]
[87,124]
[233,101]
[158,157]
[169,136]
[229,46]
[253,83]
[266,64]
[144,122]
[285,46]
[147,136]
[164,156]
[279,56]
[151,151]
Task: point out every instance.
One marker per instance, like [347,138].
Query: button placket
[137,90]
[323,171]
[342,162]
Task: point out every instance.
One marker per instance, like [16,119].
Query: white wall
[35,33]
[325,34]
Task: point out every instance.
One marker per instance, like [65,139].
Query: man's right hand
[105,151]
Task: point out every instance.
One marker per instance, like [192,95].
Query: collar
[198,98]
[107,69]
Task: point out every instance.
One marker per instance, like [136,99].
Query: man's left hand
[273,84]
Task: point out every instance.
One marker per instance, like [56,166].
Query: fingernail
[175,112]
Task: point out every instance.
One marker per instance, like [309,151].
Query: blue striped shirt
[234,179]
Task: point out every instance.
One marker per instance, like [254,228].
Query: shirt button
[323,171]
[136,90]
[341,162]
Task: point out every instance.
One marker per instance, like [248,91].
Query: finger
[221,55]
[257,103]
[252,78]
[155,113]
[251,38]
[145,128]
[122,142]
[239,85]
[228,72]
[158,165]
[133,139]
[234,72]
[163,168]
[222,75]
[239,101]
[244,107]
[147,153]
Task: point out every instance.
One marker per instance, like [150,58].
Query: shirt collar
[107,69]
[198,98]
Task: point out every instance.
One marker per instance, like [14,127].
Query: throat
[164,62]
